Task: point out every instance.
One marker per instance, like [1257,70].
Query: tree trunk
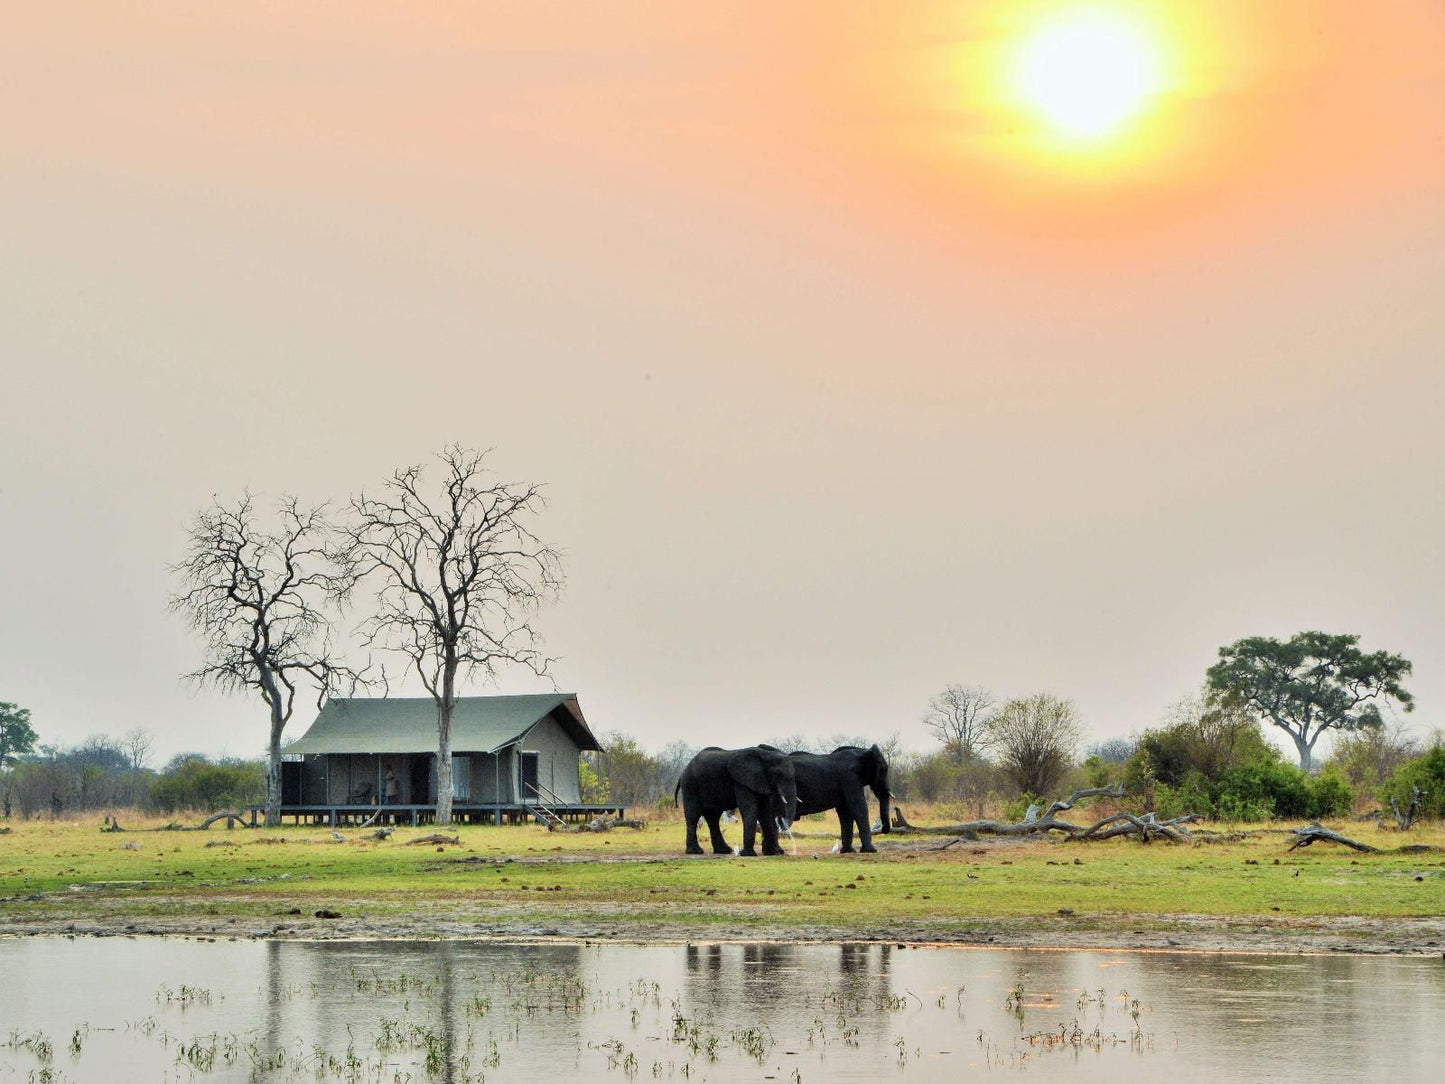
[447,702]
[273,772]
[1306,751]
[273,760]
[444,768]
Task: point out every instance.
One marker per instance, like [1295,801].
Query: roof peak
[460,699]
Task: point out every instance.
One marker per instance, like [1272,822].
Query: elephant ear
[746,768]
[877,765]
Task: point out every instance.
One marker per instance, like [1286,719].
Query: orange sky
[846,381]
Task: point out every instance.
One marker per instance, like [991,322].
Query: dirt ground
[1200,933]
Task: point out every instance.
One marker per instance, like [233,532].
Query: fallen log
[232,819]
[1032,823]
[1145,827]
[436,837]
[1316,831]
[599,824]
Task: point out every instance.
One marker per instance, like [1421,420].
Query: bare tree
[260,596]
[460,574]
[137,745]
[959,717]
[1036,738]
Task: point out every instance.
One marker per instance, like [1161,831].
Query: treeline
[100,774]
[1204,758]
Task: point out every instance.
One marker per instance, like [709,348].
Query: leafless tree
[1036,738]
[959,717]
[460,574]
[261,597]
[137,745]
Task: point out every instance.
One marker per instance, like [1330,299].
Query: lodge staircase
[543,805]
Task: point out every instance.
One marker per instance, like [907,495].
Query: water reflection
[463,1011]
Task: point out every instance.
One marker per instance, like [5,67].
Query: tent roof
[480,724]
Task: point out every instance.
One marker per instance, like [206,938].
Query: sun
[1087,74]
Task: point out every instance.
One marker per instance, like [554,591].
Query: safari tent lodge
[514,758]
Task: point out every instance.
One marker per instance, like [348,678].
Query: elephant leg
[858,811]
[714,825]
[748,812]
[845,831]
[690,814]
[770,834]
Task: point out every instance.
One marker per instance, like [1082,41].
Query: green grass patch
[526,874]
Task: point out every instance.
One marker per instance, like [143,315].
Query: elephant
[836,781]
[758,782]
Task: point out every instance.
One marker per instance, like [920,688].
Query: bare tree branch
[458,574]
[959,716]
[261,596]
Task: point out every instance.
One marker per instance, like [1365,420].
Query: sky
[854,363]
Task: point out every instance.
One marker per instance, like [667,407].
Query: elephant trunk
[885,818]
[788,811]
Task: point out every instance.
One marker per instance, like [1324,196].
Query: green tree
[1309,684]
[17,738]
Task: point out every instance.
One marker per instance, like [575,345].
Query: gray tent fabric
[480,724]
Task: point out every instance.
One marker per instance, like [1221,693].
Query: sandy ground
[1201,933]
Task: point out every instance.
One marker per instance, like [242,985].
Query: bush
[1330,795]
[193,782]
[1368,758]
[1191,796]
[1282,790]
[1426,772]
[1015,811]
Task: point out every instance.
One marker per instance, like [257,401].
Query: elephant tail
[676,789]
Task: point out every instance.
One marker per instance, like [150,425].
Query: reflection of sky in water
[827,1012]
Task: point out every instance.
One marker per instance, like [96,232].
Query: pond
[108,1009]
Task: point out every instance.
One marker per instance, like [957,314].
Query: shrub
[1281,789]
[1426,772]
[1330,795]
[193,782]
[1191,796]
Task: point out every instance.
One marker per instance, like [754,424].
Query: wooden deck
[462,813]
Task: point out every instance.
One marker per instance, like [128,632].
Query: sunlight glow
[1088,73]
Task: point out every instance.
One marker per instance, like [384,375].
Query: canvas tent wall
[497,743]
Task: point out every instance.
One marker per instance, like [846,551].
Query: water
[120,1009]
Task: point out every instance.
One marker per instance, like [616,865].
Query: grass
[530,879]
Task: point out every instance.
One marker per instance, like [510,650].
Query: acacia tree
[460,574]
[959,716]
[261,597]
[1036,738]
[1309,684]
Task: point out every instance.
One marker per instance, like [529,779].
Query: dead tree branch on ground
[1311,832]
[1146,828]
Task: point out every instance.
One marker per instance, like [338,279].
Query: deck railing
[544,806]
